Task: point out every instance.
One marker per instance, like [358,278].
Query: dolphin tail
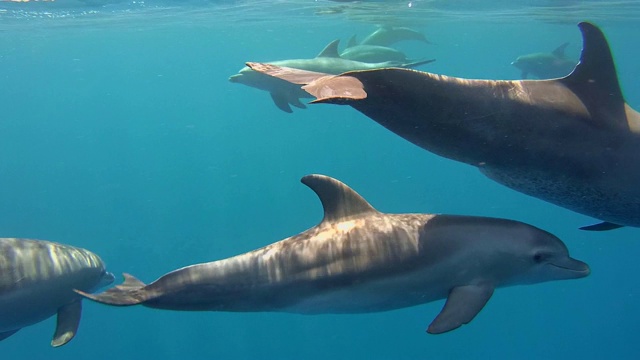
[130,292]
[324,87]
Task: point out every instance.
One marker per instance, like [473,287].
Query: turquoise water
[120,133]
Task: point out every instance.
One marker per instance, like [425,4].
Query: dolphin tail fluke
[321,86]
[130,292]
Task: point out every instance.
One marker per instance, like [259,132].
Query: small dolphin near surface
[37,279]
[359,260]
[328,61]
[573,141]
[545,65]
[389,35]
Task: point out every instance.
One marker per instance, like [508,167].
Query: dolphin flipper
[602,226]
[6,334]
[130,292]
[281,102]
[463,304]
[68,321]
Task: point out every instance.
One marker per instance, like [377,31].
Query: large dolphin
[37,279]
[359,260]
[328,61]
[545,65]
[572,141]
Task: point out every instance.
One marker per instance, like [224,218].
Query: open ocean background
[120,133]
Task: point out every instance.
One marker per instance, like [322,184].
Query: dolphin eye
[538,257]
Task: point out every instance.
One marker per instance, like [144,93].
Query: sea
[121,133]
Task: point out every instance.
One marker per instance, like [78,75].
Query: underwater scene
[300,179]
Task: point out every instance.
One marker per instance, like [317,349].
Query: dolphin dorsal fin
[352,41]
[595,82]
[330,50]
[338,200]
[559,51]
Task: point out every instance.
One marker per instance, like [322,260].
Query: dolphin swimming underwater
[328,61]
[572,141]
[359,260]
[37,279]
[545,65]
[389,35]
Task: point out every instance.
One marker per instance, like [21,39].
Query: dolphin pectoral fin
[324,87]
[296,102]
[603,226]
[281,102]
[294,76]
[131,292]
[6,334]
[68,321]
[463,304]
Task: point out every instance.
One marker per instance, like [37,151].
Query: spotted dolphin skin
[328,61]
[359,260]
[37,279]
[571,141]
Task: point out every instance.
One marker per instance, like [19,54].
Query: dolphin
[328,61]
[389,35]
[373,54]
[359,260]
[37,279]
[545,65]
[573,141]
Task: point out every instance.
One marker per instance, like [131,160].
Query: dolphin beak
[234,78]
[576,268]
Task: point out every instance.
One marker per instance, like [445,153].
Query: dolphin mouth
[234,78]
[577,267]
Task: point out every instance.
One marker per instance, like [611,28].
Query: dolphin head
[540,256]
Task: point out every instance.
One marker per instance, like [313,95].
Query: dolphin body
[373,54]
[328,61]
[573,141]
[389,35]
[545,65]
[359,260]
[37,279]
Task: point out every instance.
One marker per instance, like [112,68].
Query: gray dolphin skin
[545,65]
[373,54]
[359,260]
[573,141]
[328,61]
[389,35]
[37,279]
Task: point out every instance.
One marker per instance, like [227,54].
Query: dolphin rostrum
[328,61]
[571,141]
[545,65]
[359,260]
[37,279]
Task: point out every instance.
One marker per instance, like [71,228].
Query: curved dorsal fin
[330,50]
[338,200]
[559,51]
[594,80]
[352,41]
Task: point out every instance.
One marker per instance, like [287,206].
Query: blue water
[120,133]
